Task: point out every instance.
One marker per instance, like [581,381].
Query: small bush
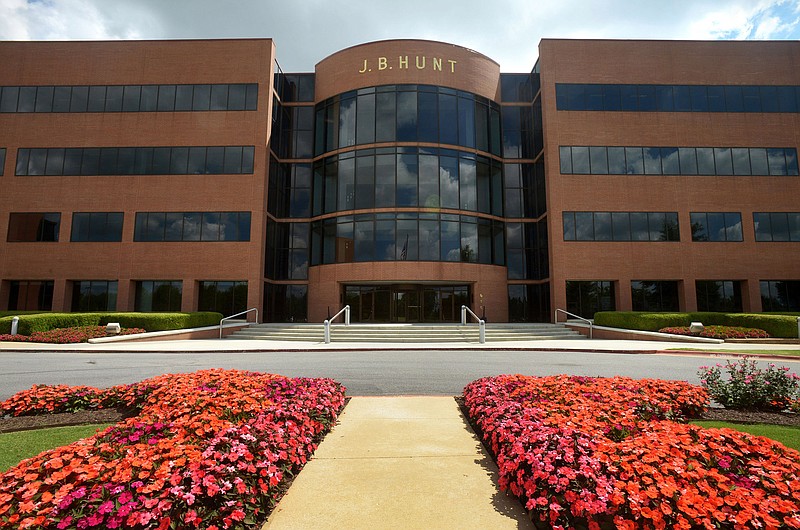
[67,335]
[720,332]
[784,326]
[31,323]
[750,387]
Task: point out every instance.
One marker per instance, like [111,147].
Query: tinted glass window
[114,98]
[385,123]
[183,97]
[94,295]
[166,98]
[634,161]
[130,98]
[33,227]
[97,226]
[202,97]
[677,98]
[219,97]
[27,99]
[44,99]
[9,99]
[236,97]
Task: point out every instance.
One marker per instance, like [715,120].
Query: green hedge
[777,325]
[28,323]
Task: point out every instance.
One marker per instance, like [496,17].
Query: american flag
[404,252]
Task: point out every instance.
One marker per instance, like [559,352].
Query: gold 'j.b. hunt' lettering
[404,62]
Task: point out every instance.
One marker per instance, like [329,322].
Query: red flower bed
[212,449]
[611,453]
[67,335]
[720,332]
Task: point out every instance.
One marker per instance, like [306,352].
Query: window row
[519,88]
[677,98]
[777,226]
[407,237]
[585,298]
[407,177]
[716,226]
[601,160]
[286,256]
[292,133]
[2,160]
[525,190]
[529,302]
[285,303]
[527,252]
[129,98]
[192,226]
[96,226]
[621,226]
[150,226]
[218,160]
[522,131]
[289,192]
[226,297]
[294,87]
[652,226]
[407,113]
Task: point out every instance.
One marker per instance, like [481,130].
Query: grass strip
[17,446]
[786,353]
[788,436]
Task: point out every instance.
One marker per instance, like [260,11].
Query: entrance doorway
[404,303]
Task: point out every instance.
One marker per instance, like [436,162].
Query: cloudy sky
[305,31]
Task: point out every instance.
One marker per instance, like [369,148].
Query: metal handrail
[591,324]
[481,323]
[236,315]
[346,311]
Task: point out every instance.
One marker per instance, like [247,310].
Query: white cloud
[71,20]
[507,30]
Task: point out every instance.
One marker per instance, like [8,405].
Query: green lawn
[788,436]
[17,446]
[786,353]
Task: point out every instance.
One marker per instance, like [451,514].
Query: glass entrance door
[406,305]
[406,302]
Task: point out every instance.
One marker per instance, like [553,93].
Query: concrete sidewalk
[399,463]
[221,345]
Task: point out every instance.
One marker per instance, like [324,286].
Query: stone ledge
[207,332]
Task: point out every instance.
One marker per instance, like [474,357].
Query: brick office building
[402,177]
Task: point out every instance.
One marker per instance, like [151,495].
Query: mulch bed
[88,417]
[744,416]
[83,417]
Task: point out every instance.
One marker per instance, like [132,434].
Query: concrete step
[405,333]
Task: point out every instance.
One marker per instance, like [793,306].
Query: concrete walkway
[399,463]
[221,345]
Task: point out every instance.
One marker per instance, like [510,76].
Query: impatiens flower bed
[213,449]
[720,332]
[598,453]
[67,335]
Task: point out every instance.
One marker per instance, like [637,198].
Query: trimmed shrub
[783,326]
[148,321]
[163,321]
